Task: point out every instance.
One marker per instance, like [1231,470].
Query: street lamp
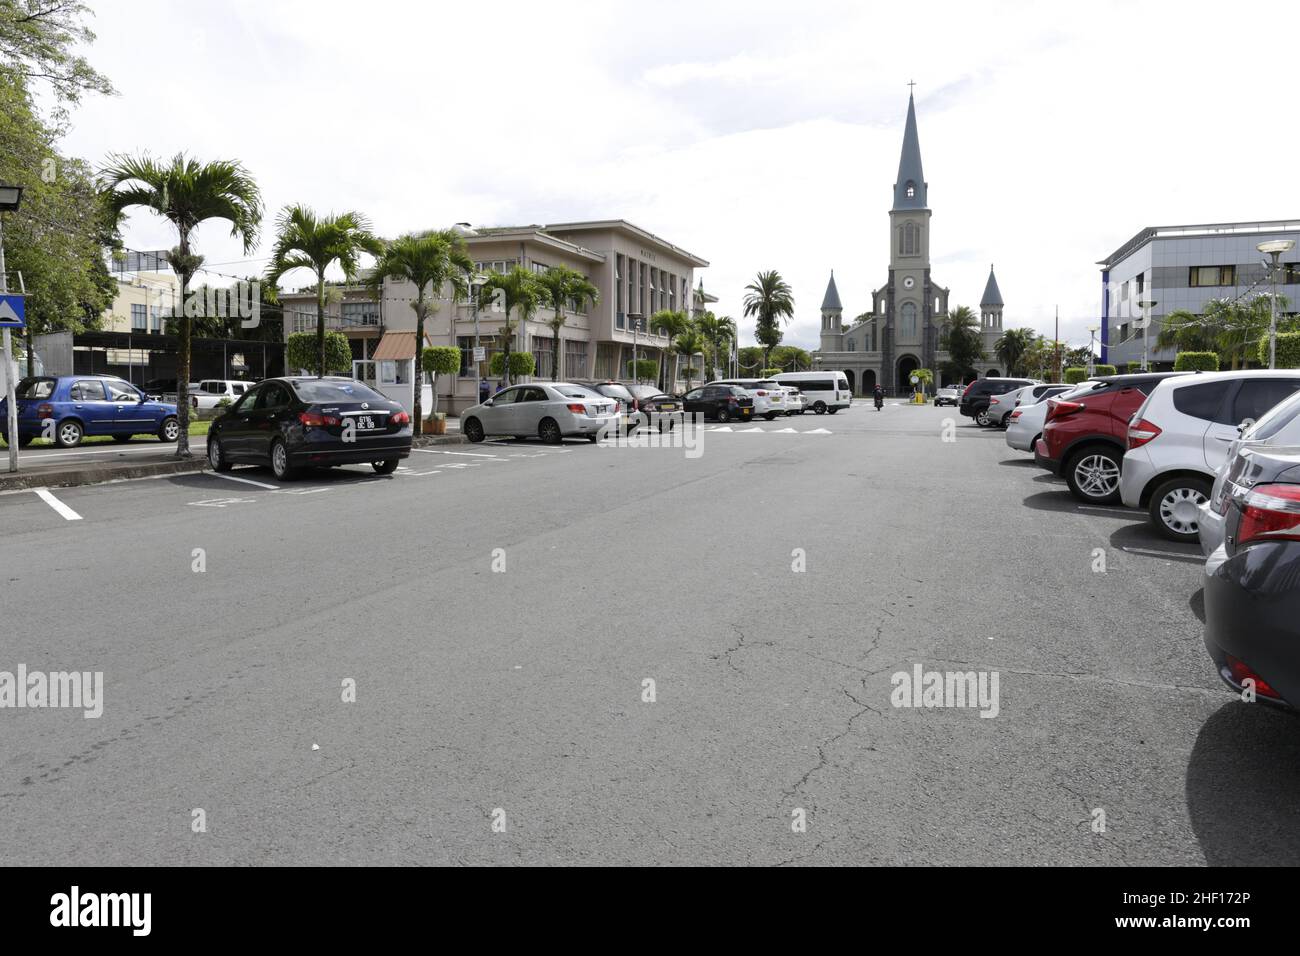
[10,197]
[634,320]
[1274,248]
[476,281]
[1146,305]
[1092,339]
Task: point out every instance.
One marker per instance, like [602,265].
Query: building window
[907,322]
[543,355]
[1141,280]
[155,320]
[360,313]
[852,346]
[1123,292]
[909,240]
[575,359]
[138,319]
[911,189]
[1200,277]
[1291,273]
[499,266]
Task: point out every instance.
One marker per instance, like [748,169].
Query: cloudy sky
[759,135]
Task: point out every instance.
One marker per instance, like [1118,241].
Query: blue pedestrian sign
[13,312]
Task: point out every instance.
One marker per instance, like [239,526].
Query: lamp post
[634,320]
[1146,305]
[476,281]
[10,197]
[1092,340]
[1274,248]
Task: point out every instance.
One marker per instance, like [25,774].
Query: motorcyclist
[879,394]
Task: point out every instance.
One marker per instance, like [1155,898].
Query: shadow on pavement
[1059,501]
[1242,781]
[1197,603]
[1140,534]
[1019,463]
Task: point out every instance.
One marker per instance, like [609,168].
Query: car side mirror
[489,402]
[1241,429]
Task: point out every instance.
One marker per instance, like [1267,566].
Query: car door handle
[1223,438]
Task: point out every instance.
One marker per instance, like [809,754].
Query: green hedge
[769,372]
[645,369]
[1104,370]
[521,364]
[1288,350]
[1073,376]
[1196,362]
[1134,367]
[300,351]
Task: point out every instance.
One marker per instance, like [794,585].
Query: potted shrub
[436,424]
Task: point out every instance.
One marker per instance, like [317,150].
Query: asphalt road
[522,691]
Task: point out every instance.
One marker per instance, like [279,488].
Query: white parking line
[1164,554]
[464,454]
[247,481]
[1110,511]
[56,504]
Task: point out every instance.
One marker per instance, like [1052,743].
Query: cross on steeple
[910,85]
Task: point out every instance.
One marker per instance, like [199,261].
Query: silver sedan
[549,410]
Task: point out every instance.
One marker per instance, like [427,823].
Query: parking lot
[501,607]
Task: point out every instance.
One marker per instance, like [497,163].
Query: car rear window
[323,390]
[35,388]
[613,390]
[1201,401]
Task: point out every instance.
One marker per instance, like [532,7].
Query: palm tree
[562,286]
[1188,332]
[959,336]
[1011,347]
[687,343]
[719,333]
[672,324]
[518,291]
[187,193]
[770,299]
[429,260]
[307,241]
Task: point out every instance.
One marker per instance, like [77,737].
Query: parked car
[769,400]
[1252,597]
[551,411]
[1280,426]
[300,422]
[725,403]
[974,402]
[1180,437]
[795,403]
[659,410]
[1025,424]
[823,392]
[207,394]
[948,395]
[626,402]
[1085,436]
[1001,406]
[82,405]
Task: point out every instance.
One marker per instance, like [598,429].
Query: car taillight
[194,400]
[1016,414]
[618,407]
[1270,513]
[581,409]
[636,405]
[317,420]
[1241,672]
[1141,432]
[761,394]
[400,418]
[44,410]
[1059,409]
[967,390]
[995,401]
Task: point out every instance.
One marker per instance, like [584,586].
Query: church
[901,332]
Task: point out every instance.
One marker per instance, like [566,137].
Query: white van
[824,391]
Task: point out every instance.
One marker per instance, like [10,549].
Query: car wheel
[170,431]
[982,418]
[549,432]
[473,430]
[831,411]
[819,408]
[1034,444]
[724,416]
[385,467]
[69,434]
[1005,418]
[595,438]
[1175,507]
[280,466]
[1093,475]
[121,439]
[216,457]
[771,416]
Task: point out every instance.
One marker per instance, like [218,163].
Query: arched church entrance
[868,381]
[906,366]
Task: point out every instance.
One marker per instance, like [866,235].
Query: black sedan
[294,423]
[656,407]
[724,402]
[1252,580]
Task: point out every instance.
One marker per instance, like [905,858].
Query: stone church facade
[901,332]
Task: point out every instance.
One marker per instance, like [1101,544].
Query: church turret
[832,317]
[991,305]
[910,189]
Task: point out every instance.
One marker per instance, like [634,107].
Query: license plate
[667,408]
[746,412]
[366,423]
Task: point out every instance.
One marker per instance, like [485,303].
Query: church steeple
[910,189]
[832,318]
[991,304]
[831,301]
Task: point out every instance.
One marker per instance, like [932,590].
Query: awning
[396,346]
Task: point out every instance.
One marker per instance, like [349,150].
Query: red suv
[1086,433]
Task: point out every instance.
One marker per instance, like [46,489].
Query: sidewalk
[36,472]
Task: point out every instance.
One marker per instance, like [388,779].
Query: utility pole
[1274,248]
[1146,305]
[10,196]
[1056,344]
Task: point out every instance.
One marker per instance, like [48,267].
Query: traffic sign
[13,312]
[480,354]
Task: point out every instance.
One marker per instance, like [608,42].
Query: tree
[516,292]
[671,324]
[720,333]
[1187,332]
[642,368]
[686,344]
[56,238]
[564,288]
[1196,362]
[428,260]
[1011,347]
[750,359]
[770,299]
[959,336]
[438,360]
[187,193]
[791,358]
[304,240]
[521,364]
[301,350]
[924,379]
[37,43]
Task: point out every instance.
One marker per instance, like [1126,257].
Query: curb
[71,478]
[422,441]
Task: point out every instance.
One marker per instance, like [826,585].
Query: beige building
[635,271]
[147,291]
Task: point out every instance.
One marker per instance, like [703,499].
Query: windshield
[323,390]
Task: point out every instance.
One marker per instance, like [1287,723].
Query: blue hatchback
[70,407]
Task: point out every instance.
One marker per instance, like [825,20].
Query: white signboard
[480,354]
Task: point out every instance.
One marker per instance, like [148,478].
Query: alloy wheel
[1097,475]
